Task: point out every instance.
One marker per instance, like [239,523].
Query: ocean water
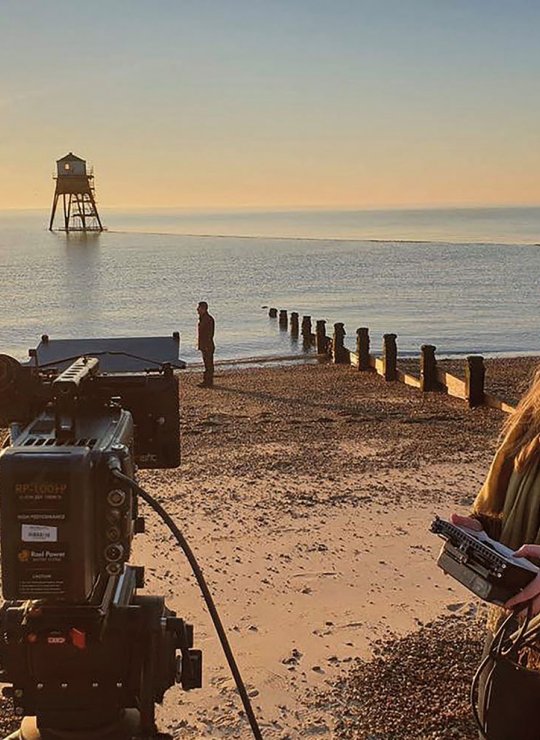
[465,280]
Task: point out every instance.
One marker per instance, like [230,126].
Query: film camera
[87,655]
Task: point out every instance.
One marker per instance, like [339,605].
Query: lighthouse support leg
[55,203]
[95,210]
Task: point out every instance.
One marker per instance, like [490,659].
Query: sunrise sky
[273,103]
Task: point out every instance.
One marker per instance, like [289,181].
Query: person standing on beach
[507,508]
[205,343]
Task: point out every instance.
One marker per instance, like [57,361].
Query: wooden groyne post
[306,331]
[475,374]
[306,326]
[294,323]
[429,380]
[272,312]
[339,351]
[283,320]
[321,340]
[389,357]
[362,348]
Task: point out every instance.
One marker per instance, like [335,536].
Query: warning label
[37,589]
[41,570]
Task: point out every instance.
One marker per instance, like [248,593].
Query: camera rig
[87,655]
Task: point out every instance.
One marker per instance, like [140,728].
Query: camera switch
[78,638]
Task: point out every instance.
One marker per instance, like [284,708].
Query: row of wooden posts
[431,377]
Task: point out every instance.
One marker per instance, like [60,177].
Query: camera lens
[113,569]
[113,553]
[116,497]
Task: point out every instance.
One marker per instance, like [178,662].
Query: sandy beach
[306,493]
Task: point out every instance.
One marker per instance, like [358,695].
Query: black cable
[158,508]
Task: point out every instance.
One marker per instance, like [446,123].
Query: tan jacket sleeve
[488,506]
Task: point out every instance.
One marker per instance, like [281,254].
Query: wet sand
[306,493]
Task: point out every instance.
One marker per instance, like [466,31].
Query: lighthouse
[76,187]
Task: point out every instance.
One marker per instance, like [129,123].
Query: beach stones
[415,687]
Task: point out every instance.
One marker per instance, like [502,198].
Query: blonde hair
[521,430]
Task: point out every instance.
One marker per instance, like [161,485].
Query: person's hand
[531,592]
[466,521]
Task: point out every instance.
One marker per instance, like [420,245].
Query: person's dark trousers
[208,359]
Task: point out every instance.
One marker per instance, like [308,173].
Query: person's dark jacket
[206,333]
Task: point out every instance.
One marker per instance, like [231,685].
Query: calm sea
[466,280]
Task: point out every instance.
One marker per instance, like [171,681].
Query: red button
[78,638]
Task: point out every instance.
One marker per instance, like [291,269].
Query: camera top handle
[66,389]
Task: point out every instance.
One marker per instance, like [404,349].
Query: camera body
[65,522]
[78,642]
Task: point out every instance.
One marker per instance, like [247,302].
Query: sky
[218,104]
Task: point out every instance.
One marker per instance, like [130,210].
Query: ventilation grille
[52,442]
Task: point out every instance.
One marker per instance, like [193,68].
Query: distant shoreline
[259,237]
[473,225]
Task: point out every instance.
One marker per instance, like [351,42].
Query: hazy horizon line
[293,209]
